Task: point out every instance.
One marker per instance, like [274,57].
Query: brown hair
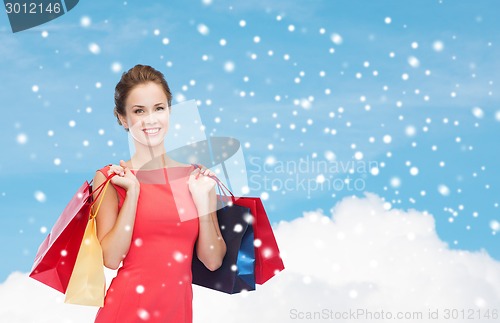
[139,74]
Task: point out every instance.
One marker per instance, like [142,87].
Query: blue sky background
[330,87]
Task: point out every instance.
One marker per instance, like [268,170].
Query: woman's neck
[147,157]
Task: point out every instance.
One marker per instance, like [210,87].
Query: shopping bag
[87,285]
[56,255]
[237,270]
[268,261]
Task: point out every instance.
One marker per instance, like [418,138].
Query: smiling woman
[139,220]
[147,121]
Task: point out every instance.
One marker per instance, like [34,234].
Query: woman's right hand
[124,177]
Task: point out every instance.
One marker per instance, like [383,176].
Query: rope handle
[99,187]
[102,190]
[221,185]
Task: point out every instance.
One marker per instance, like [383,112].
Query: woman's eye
[138,111]
[160,108]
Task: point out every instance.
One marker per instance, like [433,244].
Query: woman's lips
[151,131]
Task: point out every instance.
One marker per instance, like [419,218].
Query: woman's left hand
[202,189]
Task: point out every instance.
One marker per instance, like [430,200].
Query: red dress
[154,282]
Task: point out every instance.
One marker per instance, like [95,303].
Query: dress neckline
[163,168]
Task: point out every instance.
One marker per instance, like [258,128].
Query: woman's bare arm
[210,247]
[114,229]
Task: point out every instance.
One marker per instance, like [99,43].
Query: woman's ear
[123,120]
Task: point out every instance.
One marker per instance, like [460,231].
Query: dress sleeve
[104,170]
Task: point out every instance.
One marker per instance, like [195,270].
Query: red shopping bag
[267,255]
[56,256]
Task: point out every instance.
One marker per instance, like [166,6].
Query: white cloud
[362,257]
[25,300]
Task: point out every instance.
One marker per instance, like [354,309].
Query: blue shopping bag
[237,272]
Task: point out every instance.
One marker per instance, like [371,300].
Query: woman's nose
[151,117]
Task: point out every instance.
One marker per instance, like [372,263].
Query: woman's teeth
[151,131]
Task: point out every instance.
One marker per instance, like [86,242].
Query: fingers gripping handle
[221,185]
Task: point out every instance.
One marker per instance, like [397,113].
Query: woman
[142,224]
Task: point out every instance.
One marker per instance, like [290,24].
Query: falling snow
[413,61]
[203,29]
[85,21]
[478,112]
[414,106]
[443,190]
[40,196]
[336,39]
[179,256]
[116,67]
[438,46]
[94,48]
[22,138]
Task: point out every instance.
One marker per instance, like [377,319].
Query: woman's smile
[151,131]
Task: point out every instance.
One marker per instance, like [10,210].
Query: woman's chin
[150,141]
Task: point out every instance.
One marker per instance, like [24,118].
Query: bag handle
[102,190]
[103,183]
[221,185]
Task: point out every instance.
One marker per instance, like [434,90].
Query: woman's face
[147,114]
